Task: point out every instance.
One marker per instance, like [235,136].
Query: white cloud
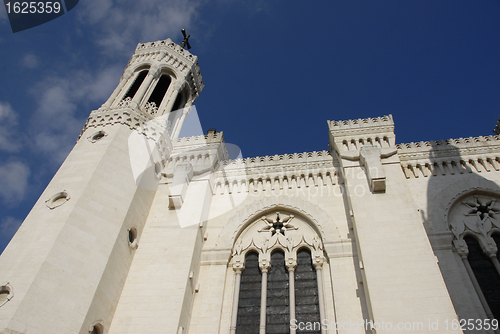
[9,141]
[30,61]
[9,226]
[55,125]
[120,25]
[13,181]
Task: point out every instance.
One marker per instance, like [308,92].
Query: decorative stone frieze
[274,231]
[274,173]
[449,157]
[135,119]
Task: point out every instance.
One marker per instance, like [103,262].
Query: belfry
[143,231]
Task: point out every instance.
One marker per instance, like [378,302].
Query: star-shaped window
[481,209]
[278,225]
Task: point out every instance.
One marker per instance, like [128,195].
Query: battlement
[164,45]
[212,137]
[271,160]
[449,144]
[361,125]
[351,135]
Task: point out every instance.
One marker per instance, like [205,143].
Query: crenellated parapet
[448,157]
[306,170]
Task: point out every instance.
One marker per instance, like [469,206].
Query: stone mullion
[319,276]
[464,252]
[494,259]
[291,265]
[144,86]
[236,297]
[263,300]
[264,264]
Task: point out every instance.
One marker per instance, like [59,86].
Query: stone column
[176,89]
[291,265]
[180,122]
[236,297]
[463,251]
[494,259]
[319,274]
[264,268]
[144,86]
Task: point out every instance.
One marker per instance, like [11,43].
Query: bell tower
[66,266]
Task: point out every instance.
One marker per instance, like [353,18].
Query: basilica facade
[141,231]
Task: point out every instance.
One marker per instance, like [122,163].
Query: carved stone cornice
[135,119]
[461,147]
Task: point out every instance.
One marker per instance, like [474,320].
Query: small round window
[96,328]
[132,237]
[6,293]
[97,136]
[57,200]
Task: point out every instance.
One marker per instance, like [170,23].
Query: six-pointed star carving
[278,224]
[482,210]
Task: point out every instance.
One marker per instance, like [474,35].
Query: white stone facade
[144,232]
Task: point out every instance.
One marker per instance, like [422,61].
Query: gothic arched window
[284,254]
[473,221]
[136,85]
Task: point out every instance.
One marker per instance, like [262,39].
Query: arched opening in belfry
[180,101]
[160,90]
[485,273]
[137,84]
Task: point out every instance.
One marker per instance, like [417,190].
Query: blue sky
[275,72]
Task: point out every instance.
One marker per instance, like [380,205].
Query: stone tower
[66,267]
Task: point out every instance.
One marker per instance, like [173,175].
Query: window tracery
[474,221]
[290,259]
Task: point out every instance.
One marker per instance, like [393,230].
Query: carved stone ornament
[371,158]
[276,224]
[274,231]
[475,214]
